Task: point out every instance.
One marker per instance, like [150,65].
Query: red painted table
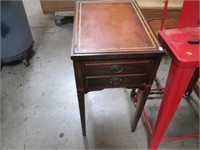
[183,46]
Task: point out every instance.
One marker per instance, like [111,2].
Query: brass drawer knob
[115,81]
[116,68]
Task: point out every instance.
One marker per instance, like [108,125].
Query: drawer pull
[116,68]
[115,81]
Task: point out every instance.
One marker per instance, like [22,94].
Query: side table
[113,47]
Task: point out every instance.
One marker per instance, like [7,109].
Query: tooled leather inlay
[116,27]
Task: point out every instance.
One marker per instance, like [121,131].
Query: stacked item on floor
[150,8]
[16,37]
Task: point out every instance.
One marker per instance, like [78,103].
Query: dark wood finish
[140,105]
[156,23]
[116,67]
[81,102]
[151,14]
[113,47]
[144,93]
[116,81]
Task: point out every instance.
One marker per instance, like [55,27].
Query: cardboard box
[51,6]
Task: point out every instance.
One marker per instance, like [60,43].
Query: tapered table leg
[140,105]
[177,82]
[81,102]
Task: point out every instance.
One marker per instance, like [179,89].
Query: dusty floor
[39,108]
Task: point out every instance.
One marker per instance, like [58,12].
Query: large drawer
[115,81]
[118,67]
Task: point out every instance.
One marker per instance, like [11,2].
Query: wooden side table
[113,47]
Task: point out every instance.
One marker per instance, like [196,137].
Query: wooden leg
[81,102]
[140,105]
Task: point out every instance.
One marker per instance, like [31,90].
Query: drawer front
[118,67]
[115,81]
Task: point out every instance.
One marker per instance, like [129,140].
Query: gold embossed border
[140,16]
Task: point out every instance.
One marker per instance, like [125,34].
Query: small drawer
[115,81]
[118,67]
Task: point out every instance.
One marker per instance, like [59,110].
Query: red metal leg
[177,82]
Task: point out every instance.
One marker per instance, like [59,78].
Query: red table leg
[177,82]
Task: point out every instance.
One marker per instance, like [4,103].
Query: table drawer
[115,81]
[122,67]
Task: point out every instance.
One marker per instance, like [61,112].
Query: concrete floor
[39,108]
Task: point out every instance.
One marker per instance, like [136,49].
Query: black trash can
[16,37]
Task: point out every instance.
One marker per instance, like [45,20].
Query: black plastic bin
[16,37]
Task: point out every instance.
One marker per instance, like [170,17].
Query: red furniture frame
[180,74]
[146,118]
[182,45]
